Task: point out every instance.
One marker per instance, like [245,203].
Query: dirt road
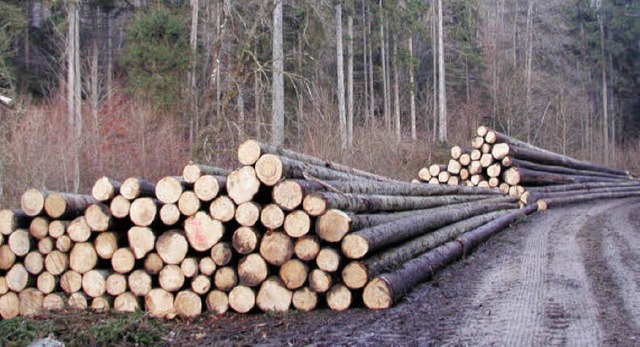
[569,276]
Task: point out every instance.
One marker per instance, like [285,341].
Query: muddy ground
[568,276]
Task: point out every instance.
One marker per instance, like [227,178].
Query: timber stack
[532,174]
[283,230]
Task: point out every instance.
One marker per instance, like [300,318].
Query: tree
[157,56]
[11,24]
[277,108]
[342,121]
[442,97]
[74,86]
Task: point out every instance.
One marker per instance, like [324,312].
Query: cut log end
[294,273]
[272,217]
[206,187]
[314,205]
[297,223]
[188,203]
[168,189]
[248,213]
[202,231]
[169,214]
[159,303]
[242,184]
[249,152]
[242,299]
[288,195]
[104,189]
[333,225]
[217,302]
[339,297]
[269,169]
[377,294]
[276,248]
[307,247]
[304,299]
[355,275]
[252,270]
[143,211]
[120,207]
[32,201]
[188,304]
[273,296]
[222,209]
[354,246]
[98,217]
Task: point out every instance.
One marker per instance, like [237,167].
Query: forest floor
[567,276]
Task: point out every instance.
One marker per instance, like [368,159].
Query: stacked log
[283,230]
[522,170]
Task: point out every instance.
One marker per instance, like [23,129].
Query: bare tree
[193,41]
[412,92]
[350,81]
[442,98]
[385,81]
[277,106]
[340,67]
[74,87]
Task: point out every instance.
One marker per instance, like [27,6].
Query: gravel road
[568,276]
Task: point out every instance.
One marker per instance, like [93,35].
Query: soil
[567,276]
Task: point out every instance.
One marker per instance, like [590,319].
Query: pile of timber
[284,230]
[530,173]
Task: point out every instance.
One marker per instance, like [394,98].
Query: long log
[250,152]
[502,150]
[357,273]
[318,203]
[270,169]
[530,197]
[582,186]
[517,175]
[105,189]
[382,291]
[561,201]
[335,224]
[67,205]
[366,241]
[509,162]
[290,193]
[192,172]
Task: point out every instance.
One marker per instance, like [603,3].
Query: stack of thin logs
[532,174]
[284,230]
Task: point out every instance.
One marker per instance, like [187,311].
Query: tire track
[542,296]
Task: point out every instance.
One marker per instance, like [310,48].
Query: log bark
[356,274]
[120,207]
[307,247]
[172,247]
[32,201]
[171,278]
[135,187]
[159,303]
[318,203]
[248,213]
[339,297]
[105,189]
[67,205]
[221,253]
[242,299]
[242,184]
[222,209]
[276,248]
[188,304]
[202,231]
[245,240]
[10,220]
[270,169]
[208,187]
[273,296]
[252,151]
[272,217]
[188,203]
[225,279]
[192,172]
[217,302]
[366,241]
[142,240]
[252,270]
[169,188]
[297,223]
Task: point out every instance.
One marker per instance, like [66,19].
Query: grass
[85,329]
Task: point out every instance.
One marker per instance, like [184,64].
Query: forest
[140,87]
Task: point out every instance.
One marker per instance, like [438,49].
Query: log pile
[283,230]
[530,173]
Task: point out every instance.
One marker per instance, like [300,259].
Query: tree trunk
[366,241]
[277,108]
[350,109]
[396,93]
[412,92]
[385,84]
[342,121]
[442,98]
[434,55]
